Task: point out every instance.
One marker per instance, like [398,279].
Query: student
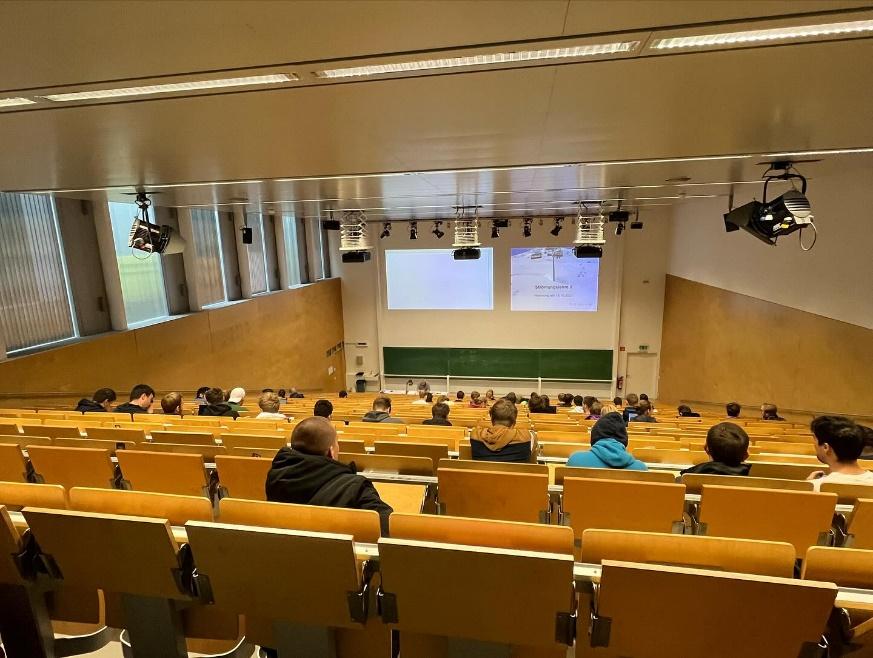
[608,447]
[616,401]
[171,404]
[502,441]
[838,442]
[595,411]
[459,397]
[381,412]
[428,398]
[283,395]
[343,394]
[200,398]
[269,406]
[215,405]
[733,409]
[142,397]
[476,401]
[307,473]
[566,399]
[645,397]
[267,390]
[103,399]
[295,393]
[684,411]
[512,397]
[323,408]
[424,386]
[630,409]
[489,397]
[578,405]
[546,407]
[587,401]
[728,446]
[422,397]
[644,413]
[236,399]
[770,412]
[539,404]
[439,415]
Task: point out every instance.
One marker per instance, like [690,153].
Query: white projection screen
[430,279]
[553,279]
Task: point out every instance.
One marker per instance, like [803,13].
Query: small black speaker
[247,234]
[330,225]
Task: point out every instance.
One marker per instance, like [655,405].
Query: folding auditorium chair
[785,447]
[433,451]
[23,440]
[182,474]
[848,493]
[561,472]
[636,442]
[560,436]
[860,530]
[178,510]
[449,440]
[242,477]
[694,482]
[9,425]
[71,467]
[116,434]
[800,518]
[407,498]
[111,446]
[389,464]
[654,611]
[208,452]
[661,456]
[559,450]
[233,440]
[764,468]
[242,451]
[421,431]
[622,505]
[179,437]
[13,465]
[52,431]
[497,495]
[482,465]
[15,495]
[352,446]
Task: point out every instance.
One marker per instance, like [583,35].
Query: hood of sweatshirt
[612,453]
[89,405]
[375,416]
[497,437]
[296,477]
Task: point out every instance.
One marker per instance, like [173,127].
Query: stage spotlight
[619,228]
[526,227]
[386,230]
[559,225]
[495,231]
[152,238]
[413,230]
[437,231]
[637,225]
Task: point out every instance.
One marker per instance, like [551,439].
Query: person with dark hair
[283,395]
[459,397]
[215,405]
[578,405]
[595,411]
[171,404]
[489,397]
[770,412]
[103,399]
[502,441]
[644,413]
[867,451]
[439,415]
[267,390]
[381,412]
[428,397]
[142,397]
[539,404]
[587,401]
[630,409]
[733,409]
[728,446]
[838,442]
[608,447]
[512,397]
[269,406]
[684,411]
[323,408]
[200,398]
[295,393]
[645,397]
[476,401]
[617,401]
[566,399]
[344,394]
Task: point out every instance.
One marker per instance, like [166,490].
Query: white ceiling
[801,97]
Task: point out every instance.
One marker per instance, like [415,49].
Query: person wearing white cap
[236,399]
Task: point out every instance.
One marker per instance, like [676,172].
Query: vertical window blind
[209,265]
[255,250]
[35,305]
[290,231]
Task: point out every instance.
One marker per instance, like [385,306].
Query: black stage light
[619,216]
[386,230]
[413,230]
[437,231]
[467,253]
[637,226]
[495,230]
[619,229]
[526,227]
[500,223]
[559,224]
[768,221]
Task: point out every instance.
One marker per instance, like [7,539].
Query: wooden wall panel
[720,346]
[273,340]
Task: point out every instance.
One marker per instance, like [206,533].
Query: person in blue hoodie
[608,446]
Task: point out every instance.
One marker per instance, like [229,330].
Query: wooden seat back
[661,456]
[797,517]
[560,450]
[376,429]
[254,441]
[420,431]
[504,467]
[72,467]
[847,494]
[413,575]
[786,447]
[243,477]
[564,436]
[765,558]
[693,602]
[350,446]
[27,494]
[190,438]
[389,464]
[694,482]
[13,466]
[117,434]
[9,425]
[764,468]
[208,452]
[433,451]
[103,444]
[847,567]
[248,451]
[637,442]
[24,440]
[178,510]
[495,494]
[10,546]
[51,431]
[861,524]
[160,472]
[561,472]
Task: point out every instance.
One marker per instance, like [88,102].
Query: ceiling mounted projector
[467,253]
[354,246]
[153,238]
[466,228]
[589,235]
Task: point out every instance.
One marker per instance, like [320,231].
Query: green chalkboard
[488,362]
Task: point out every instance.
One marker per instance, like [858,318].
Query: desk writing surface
[405,498]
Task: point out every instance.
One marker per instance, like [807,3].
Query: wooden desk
[405,498]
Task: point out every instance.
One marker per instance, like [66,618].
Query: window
[35,304]
[142,275]
[208,259]
[291,254]
[255,252]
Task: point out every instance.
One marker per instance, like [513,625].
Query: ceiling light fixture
[198,85]
[12,102]
[764,36]
[487,59]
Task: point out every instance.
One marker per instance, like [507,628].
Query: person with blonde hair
[172,404]
[269,404]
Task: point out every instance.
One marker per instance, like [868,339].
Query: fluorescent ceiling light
[488,59]
[764,36]
[11,102]
[198,85]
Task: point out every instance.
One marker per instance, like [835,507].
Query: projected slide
[553,279]
[430,279]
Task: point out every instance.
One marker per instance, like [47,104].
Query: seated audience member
[307,473]
[867,452]
[616,401]
[429,397]
[609,408]
[539,404]
[770,412]
[502,441]
[237,399]
[200,398]
[839,442]
[215,405]
[323,408]
[733,409]
[578,405]
[424,386]
[684,411]
[381,412]
[512,397]
[476,400]
[103,399]
[269,405]
[728,446]
[595,411]
[439,415]
[489,397]
[645,397]
[644,413]
[344,394]
[608,447]
[422,397]
[566,400]
[546,406]
[295,393]
[142,397]
[171,404]
[630,408]
[267,390]
[459,397]
[587,401]
[283,395]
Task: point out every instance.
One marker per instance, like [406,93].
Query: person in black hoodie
[142,397]
[728,445]
[439,415]
[307,473]
[102,401]
[215,405]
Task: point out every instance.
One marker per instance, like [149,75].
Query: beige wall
[720,346]
[274,340]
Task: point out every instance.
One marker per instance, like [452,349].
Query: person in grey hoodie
[381,412]
[608,447]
